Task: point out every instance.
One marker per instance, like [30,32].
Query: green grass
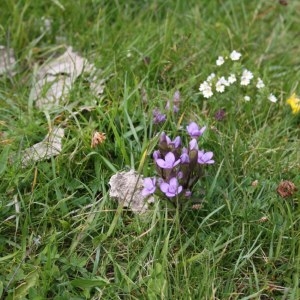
[89,247]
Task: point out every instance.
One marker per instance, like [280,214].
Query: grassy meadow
[62,237]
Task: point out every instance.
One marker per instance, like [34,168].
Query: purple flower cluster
[178,167]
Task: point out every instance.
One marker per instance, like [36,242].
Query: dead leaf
[53,81]
[7,61]
[286,188]
[49,147]
[98,138]
[126,188]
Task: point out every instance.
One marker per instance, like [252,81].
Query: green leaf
[23,289]
[85,283]
[9,256]
[157,283]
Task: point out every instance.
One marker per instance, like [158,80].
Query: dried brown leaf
[286,188]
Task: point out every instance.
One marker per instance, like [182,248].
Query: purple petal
[168,140]
[170,194]
[164,187]
[188,193]
[175,108]
[184,158]
[176,163]
[200,153]
[146,192]
[193,145]
[177,142]
[160,181]
[161,163]
[174,182]
[149,182]
[180,175]
[149,186]
[202,130]
[170,159]
[192,127]
[184,150]
[156,154]
[162,137]
[158,116]
[207,156]
[179,190]
[173,189]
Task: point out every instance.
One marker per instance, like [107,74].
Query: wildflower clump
[178,168]
[231,74]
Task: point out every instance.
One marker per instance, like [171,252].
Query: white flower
[247,98]
[211,77]
[234,55]
[220,61]
[220,87]
[207,93]
[272,98]
[205,88]
[246,77]
[231,79]
[260,84]
[221,83]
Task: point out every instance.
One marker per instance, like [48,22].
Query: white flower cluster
[234,56]
[220,83]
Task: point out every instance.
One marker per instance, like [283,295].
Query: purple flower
[158,117]
[156,154]
[163,137]
[188,193]
[149,186]
[163,145]
[172,188]
[184,158]
[175,143]
[220,115]
[176,98]
[193,145]
[175,107]
[180,175]
[194,131]
[169,161]
[205,158]
[174,103]
[184,150]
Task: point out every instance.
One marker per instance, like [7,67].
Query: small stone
[126,188]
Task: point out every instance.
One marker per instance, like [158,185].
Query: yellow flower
[294,103]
